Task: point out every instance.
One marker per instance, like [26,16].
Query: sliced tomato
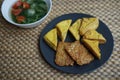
[20,19]
[16,11]
[26,5]
[17,4]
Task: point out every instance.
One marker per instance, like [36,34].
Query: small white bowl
[7,5]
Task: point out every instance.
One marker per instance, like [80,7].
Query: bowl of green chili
[26,13]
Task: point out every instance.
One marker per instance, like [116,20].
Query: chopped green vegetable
[33,5]
[29,1]
[30,12]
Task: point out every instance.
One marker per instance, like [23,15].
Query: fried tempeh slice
[79,53]
[62,57]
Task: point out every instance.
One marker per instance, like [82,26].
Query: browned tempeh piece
[79,53]
[62,57]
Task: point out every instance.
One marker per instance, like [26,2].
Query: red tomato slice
[16,11]
[20,19]
[26,5]
[17,4]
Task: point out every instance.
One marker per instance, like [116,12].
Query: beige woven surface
[20,58]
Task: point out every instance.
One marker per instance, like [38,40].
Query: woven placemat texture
[20,58]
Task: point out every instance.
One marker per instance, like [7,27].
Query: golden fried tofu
[62,58]
[79,53]
[62,28]
[94,35]
[93,46]
[51,38]
[88,24]
[74,29]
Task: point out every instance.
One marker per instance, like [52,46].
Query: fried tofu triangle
[62,57]
[94,35]
[93,46]
[88,24]
[51,38]
[74,29]
[62,28]
[79,53]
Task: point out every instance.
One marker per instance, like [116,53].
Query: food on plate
[67,53]
[62,58]
[88,24]
[94,35]
[74,29]
[51,38]
[28,11]
[93,46]
[62,28]
[79,53]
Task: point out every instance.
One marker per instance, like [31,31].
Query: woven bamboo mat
[20,58]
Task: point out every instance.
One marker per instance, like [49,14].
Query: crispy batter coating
[79,53]
[62,57]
